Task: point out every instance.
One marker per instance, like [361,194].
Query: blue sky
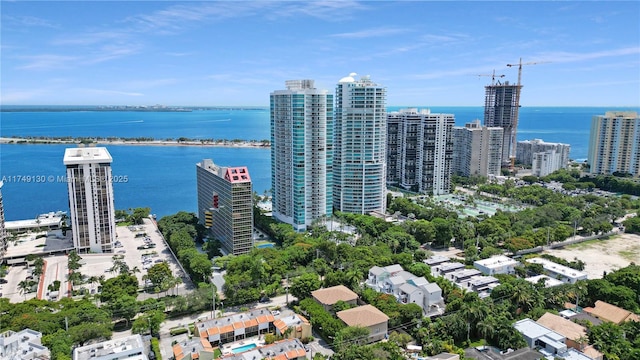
[237,52]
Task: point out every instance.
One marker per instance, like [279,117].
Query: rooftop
[558,269]
[131,344]
[496,261]
[281,350]
[86,155]
[548,281]
[365,316]
[194,347]
[231,322]
[562,326]
[331,295]
[612,313]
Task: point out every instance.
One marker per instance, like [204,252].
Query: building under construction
[501,110]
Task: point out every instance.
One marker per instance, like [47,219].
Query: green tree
[38,266]
[160,276]
[150,321]
[351,335]
[302,286]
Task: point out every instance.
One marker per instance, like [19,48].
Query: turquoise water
[265,245]
[243,348]
[163,177]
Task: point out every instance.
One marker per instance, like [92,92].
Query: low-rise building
[48,221]
[131,348]
[23,345]
[548,281]
[328,297]
[445,268]
[537,335]
[290,349]
[235,327]
[575,334]
[299,325]
[607,312]
[497,265]
[480,284]
[196,348]
[407,288]
[435,260]
[560,272]
[367,316]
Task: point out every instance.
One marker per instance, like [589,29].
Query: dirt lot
[603,255]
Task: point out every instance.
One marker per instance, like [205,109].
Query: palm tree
[24,287]
[486,328]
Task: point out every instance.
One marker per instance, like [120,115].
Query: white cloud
[568,57]
[47,62]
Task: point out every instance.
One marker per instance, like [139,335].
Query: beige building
[477,149]
[330,296]
[90,185]
[614,144]
[225,205]
[367,316]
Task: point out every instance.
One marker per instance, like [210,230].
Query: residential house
[299,326]
[328,297]
[548,342]
[611,313]
[367,316]
[575,334]
[235,327]
[548,281]
[407,288]
[196,348]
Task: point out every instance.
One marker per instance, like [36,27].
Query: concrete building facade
[90,186]
[360,135]
[614,143]
[526,150]
[420,150]
[225,205]
[130,347]
[301,153]
[477,150]
[500,110]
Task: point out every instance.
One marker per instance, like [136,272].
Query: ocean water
[164,177]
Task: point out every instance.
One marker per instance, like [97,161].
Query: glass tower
[301,153]
[360,135]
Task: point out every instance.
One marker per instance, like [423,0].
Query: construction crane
[493,76]
[514,142]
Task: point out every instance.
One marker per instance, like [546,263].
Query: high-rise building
[301,153]
[614,144]
[360,136]
[225,205]
[544,157]
[477,149]
[420,150]
[500,110]
[3,230]
[546,162]
[90,186]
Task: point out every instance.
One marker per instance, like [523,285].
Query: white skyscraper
[360,136]
[301,153]
[89,182]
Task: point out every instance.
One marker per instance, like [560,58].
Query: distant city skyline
[235,53]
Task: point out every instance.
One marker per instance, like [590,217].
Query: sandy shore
[603,255]
[221,143]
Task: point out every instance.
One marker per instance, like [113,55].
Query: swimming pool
[243,348]
[265,245]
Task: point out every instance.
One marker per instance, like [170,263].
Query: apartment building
[614,143]
[500,110]
[477,150]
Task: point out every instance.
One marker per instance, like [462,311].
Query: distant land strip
[142,141]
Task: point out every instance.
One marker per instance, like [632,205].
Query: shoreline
[119,142]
